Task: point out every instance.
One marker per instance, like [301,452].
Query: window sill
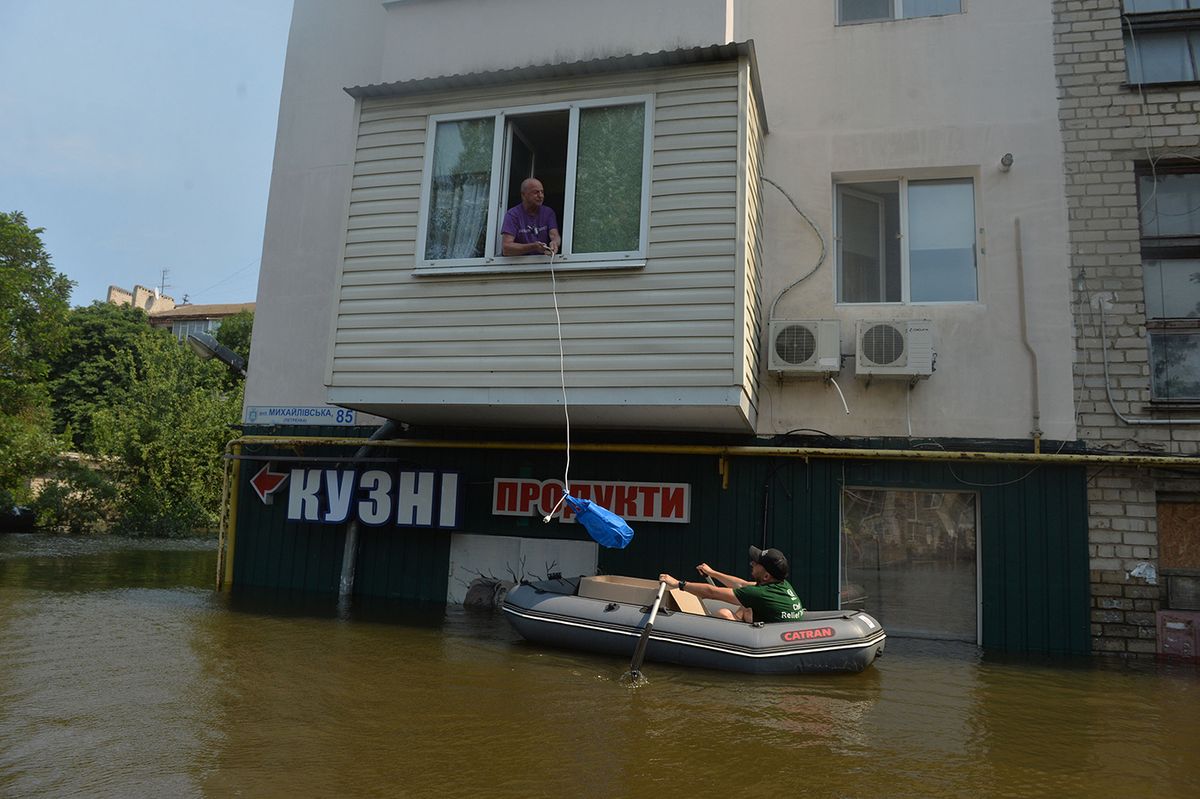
[1161,85]
[882,20]
[901,304]
[518,266]
[1158,406]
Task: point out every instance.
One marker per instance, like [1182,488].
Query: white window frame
[897,13]
[492,261]
[905,278]
[1166,249]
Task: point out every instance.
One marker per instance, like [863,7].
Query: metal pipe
[746,451]
[1021,301]
[350,549]
[228,528]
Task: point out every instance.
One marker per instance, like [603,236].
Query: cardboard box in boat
[629,590]
[638,591]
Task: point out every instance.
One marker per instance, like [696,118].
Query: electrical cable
[821,238]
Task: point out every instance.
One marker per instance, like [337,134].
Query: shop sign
[406,498]
[634,502]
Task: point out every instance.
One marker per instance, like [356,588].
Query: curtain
[608,179]
[458,198]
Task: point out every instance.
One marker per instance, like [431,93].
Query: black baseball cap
[772,560]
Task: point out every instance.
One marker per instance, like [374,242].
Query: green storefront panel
[1032,529]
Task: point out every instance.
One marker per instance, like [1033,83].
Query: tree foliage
[86,376]
[34,298]
[234,333]
[167,431]
[149,418]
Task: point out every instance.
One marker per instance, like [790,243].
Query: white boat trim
[672,638]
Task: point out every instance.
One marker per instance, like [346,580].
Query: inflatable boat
[607,614]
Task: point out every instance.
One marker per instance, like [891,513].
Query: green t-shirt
[771,601]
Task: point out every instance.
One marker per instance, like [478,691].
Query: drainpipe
[1037,398]
[350,551]
[1103,299]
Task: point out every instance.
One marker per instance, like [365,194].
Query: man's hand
[671,582]
[705,570]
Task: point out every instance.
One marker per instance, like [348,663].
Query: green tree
[167,432]
[234,333]
[34,298]
[86,377]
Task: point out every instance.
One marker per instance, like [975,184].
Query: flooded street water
[123,674]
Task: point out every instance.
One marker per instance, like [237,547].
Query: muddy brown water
[123,674]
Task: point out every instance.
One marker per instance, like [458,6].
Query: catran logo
[807,635]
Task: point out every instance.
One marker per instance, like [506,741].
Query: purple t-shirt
[526,228]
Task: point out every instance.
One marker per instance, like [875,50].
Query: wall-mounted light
[1006,162]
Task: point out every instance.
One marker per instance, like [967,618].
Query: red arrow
[267,482]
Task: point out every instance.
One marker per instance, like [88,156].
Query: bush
[75,497]
[167,433]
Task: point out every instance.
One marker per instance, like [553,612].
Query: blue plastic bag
[607,528]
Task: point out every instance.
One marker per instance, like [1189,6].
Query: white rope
[562,374]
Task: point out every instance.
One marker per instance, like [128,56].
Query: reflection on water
[123,674]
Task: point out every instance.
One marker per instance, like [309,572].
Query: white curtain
[462,178]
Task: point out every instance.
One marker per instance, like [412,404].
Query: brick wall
[1108,128]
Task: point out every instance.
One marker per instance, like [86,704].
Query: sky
[139,134]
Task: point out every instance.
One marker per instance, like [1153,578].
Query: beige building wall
[141,297]
[920,98]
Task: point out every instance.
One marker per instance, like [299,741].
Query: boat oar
[639,654]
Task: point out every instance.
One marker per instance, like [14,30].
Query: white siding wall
[754,232]
[457,340]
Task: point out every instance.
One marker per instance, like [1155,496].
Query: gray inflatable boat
[607,614]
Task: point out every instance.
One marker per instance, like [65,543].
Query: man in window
[530,228]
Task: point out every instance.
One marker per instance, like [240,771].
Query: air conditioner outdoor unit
[901,348]
[810,348]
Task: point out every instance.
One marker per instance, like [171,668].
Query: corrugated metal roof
[599,66]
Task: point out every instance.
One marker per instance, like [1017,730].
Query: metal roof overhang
[599,66]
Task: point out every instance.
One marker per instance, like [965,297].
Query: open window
[591,157]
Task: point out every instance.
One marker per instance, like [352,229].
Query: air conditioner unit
[810,348]
[901,348]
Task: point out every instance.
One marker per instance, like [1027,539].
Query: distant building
[148,300]
[184,319]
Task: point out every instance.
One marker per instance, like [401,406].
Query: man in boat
[766,597]
[530,228]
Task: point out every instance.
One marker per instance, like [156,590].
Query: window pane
[868,242]
[1175,365]
[908,557]
[608,179]
[458,190]
[1170,204]
[1160,57]
[864,10]
[941,240]
[931,8]
[1172,289]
